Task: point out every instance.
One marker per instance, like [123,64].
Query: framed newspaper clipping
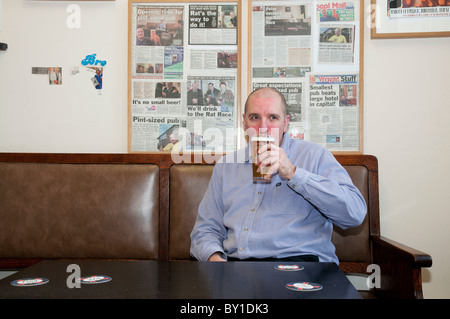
[311,51]
[183,76]
[393,19]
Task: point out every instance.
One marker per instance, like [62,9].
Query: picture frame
[183,76]
[296,48]
[396,19]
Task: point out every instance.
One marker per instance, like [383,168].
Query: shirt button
[259,193]
[241,249]
[252,210]
[246,228]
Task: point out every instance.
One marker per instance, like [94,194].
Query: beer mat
[96,279]
[304,286]
[288,267]
[29,282]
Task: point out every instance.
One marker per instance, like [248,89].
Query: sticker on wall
[96,66]
[54,74]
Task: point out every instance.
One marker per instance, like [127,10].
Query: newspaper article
[281,40]
[418,8]
[183,96]
[334,111]
[336,32]
[212,24]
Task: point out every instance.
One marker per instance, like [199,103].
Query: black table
[179,280]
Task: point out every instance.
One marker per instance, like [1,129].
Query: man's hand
[275,157]
[216,257]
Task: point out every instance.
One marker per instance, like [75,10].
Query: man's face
[140,34]
[266,114]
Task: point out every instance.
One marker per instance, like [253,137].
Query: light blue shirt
[279,219]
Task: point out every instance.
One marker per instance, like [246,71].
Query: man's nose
[263,123]
[263,127]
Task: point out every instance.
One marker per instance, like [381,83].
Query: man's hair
[281,96]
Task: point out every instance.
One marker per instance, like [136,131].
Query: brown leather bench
[143,206]
[51,210]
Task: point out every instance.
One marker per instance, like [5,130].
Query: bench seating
[143,206]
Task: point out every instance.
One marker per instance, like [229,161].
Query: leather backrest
[352,245]
[79,210]
[188,183]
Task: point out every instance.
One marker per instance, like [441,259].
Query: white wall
[37,117]
[406,111]
[406,125]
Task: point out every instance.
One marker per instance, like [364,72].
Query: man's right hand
[216,257]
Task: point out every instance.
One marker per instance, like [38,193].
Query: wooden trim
[164,214]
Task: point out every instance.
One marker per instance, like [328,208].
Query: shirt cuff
[211,252]
[299,179]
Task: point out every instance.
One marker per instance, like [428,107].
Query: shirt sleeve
[209,232]
[330,190]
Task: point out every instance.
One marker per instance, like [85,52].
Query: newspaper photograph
[336,44]
[281,40]
[211,99]
[159,25]
[334,111]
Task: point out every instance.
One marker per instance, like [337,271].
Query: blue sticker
[91,59]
